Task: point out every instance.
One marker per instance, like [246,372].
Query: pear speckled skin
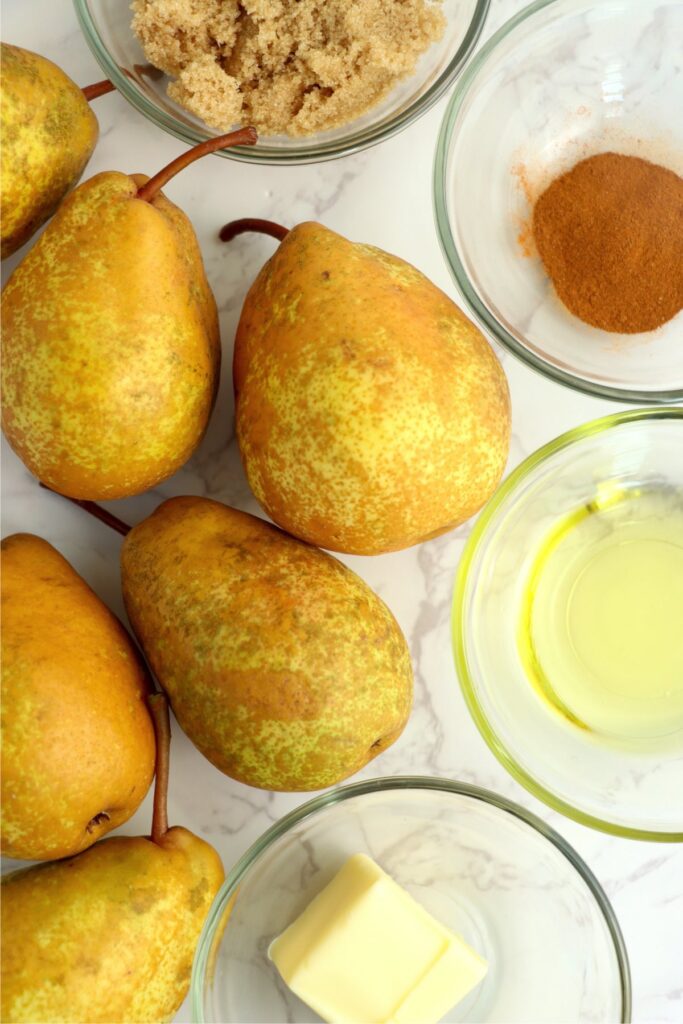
[111,350]
[77,738]
[109,935]
[281,665]
[48,135]
[371,414]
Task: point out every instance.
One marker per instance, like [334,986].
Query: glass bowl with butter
[411,899]
[563,82]
[107,26]
[568,624]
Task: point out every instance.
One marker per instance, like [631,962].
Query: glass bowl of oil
[568,624]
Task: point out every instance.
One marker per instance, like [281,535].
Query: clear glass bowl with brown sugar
[107,28]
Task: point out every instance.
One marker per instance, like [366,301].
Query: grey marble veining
[382,196]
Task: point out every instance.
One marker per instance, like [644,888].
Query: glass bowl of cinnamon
[317,79]
[559,197]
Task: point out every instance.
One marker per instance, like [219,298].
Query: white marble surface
[382,196]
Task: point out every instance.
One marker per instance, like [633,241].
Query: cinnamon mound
[610,234]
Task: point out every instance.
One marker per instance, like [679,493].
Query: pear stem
[95,510]
[263,227]
[91,92]
[158,706]
[241,137]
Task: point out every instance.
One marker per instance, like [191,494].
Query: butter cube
[365,952]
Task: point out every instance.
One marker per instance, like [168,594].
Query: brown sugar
[610,234]
[292,67]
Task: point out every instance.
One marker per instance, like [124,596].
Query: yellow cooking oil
[601,630]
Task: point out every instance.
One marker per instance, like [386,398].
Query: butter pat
[365,952]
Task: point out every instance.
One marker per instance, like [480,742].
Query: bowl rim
[451,255]
[397,783]
[307,152]
[459,620]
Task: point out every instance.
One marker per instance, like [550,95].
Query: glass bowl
[630,785]
[107,29]
[561,81]
[488,869]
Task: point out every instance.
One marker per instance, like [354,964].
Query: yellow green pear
[281,664]
[109,935]
[111,349]
[48,135]
[77,737]
[371,414]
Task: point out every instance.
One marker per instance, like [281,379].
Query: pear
[111,348]
[77,737]
[109,935]
[371,414]
[281,665]
[48,135]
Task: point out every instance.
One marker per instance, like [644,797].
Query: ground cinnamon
[610,234]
